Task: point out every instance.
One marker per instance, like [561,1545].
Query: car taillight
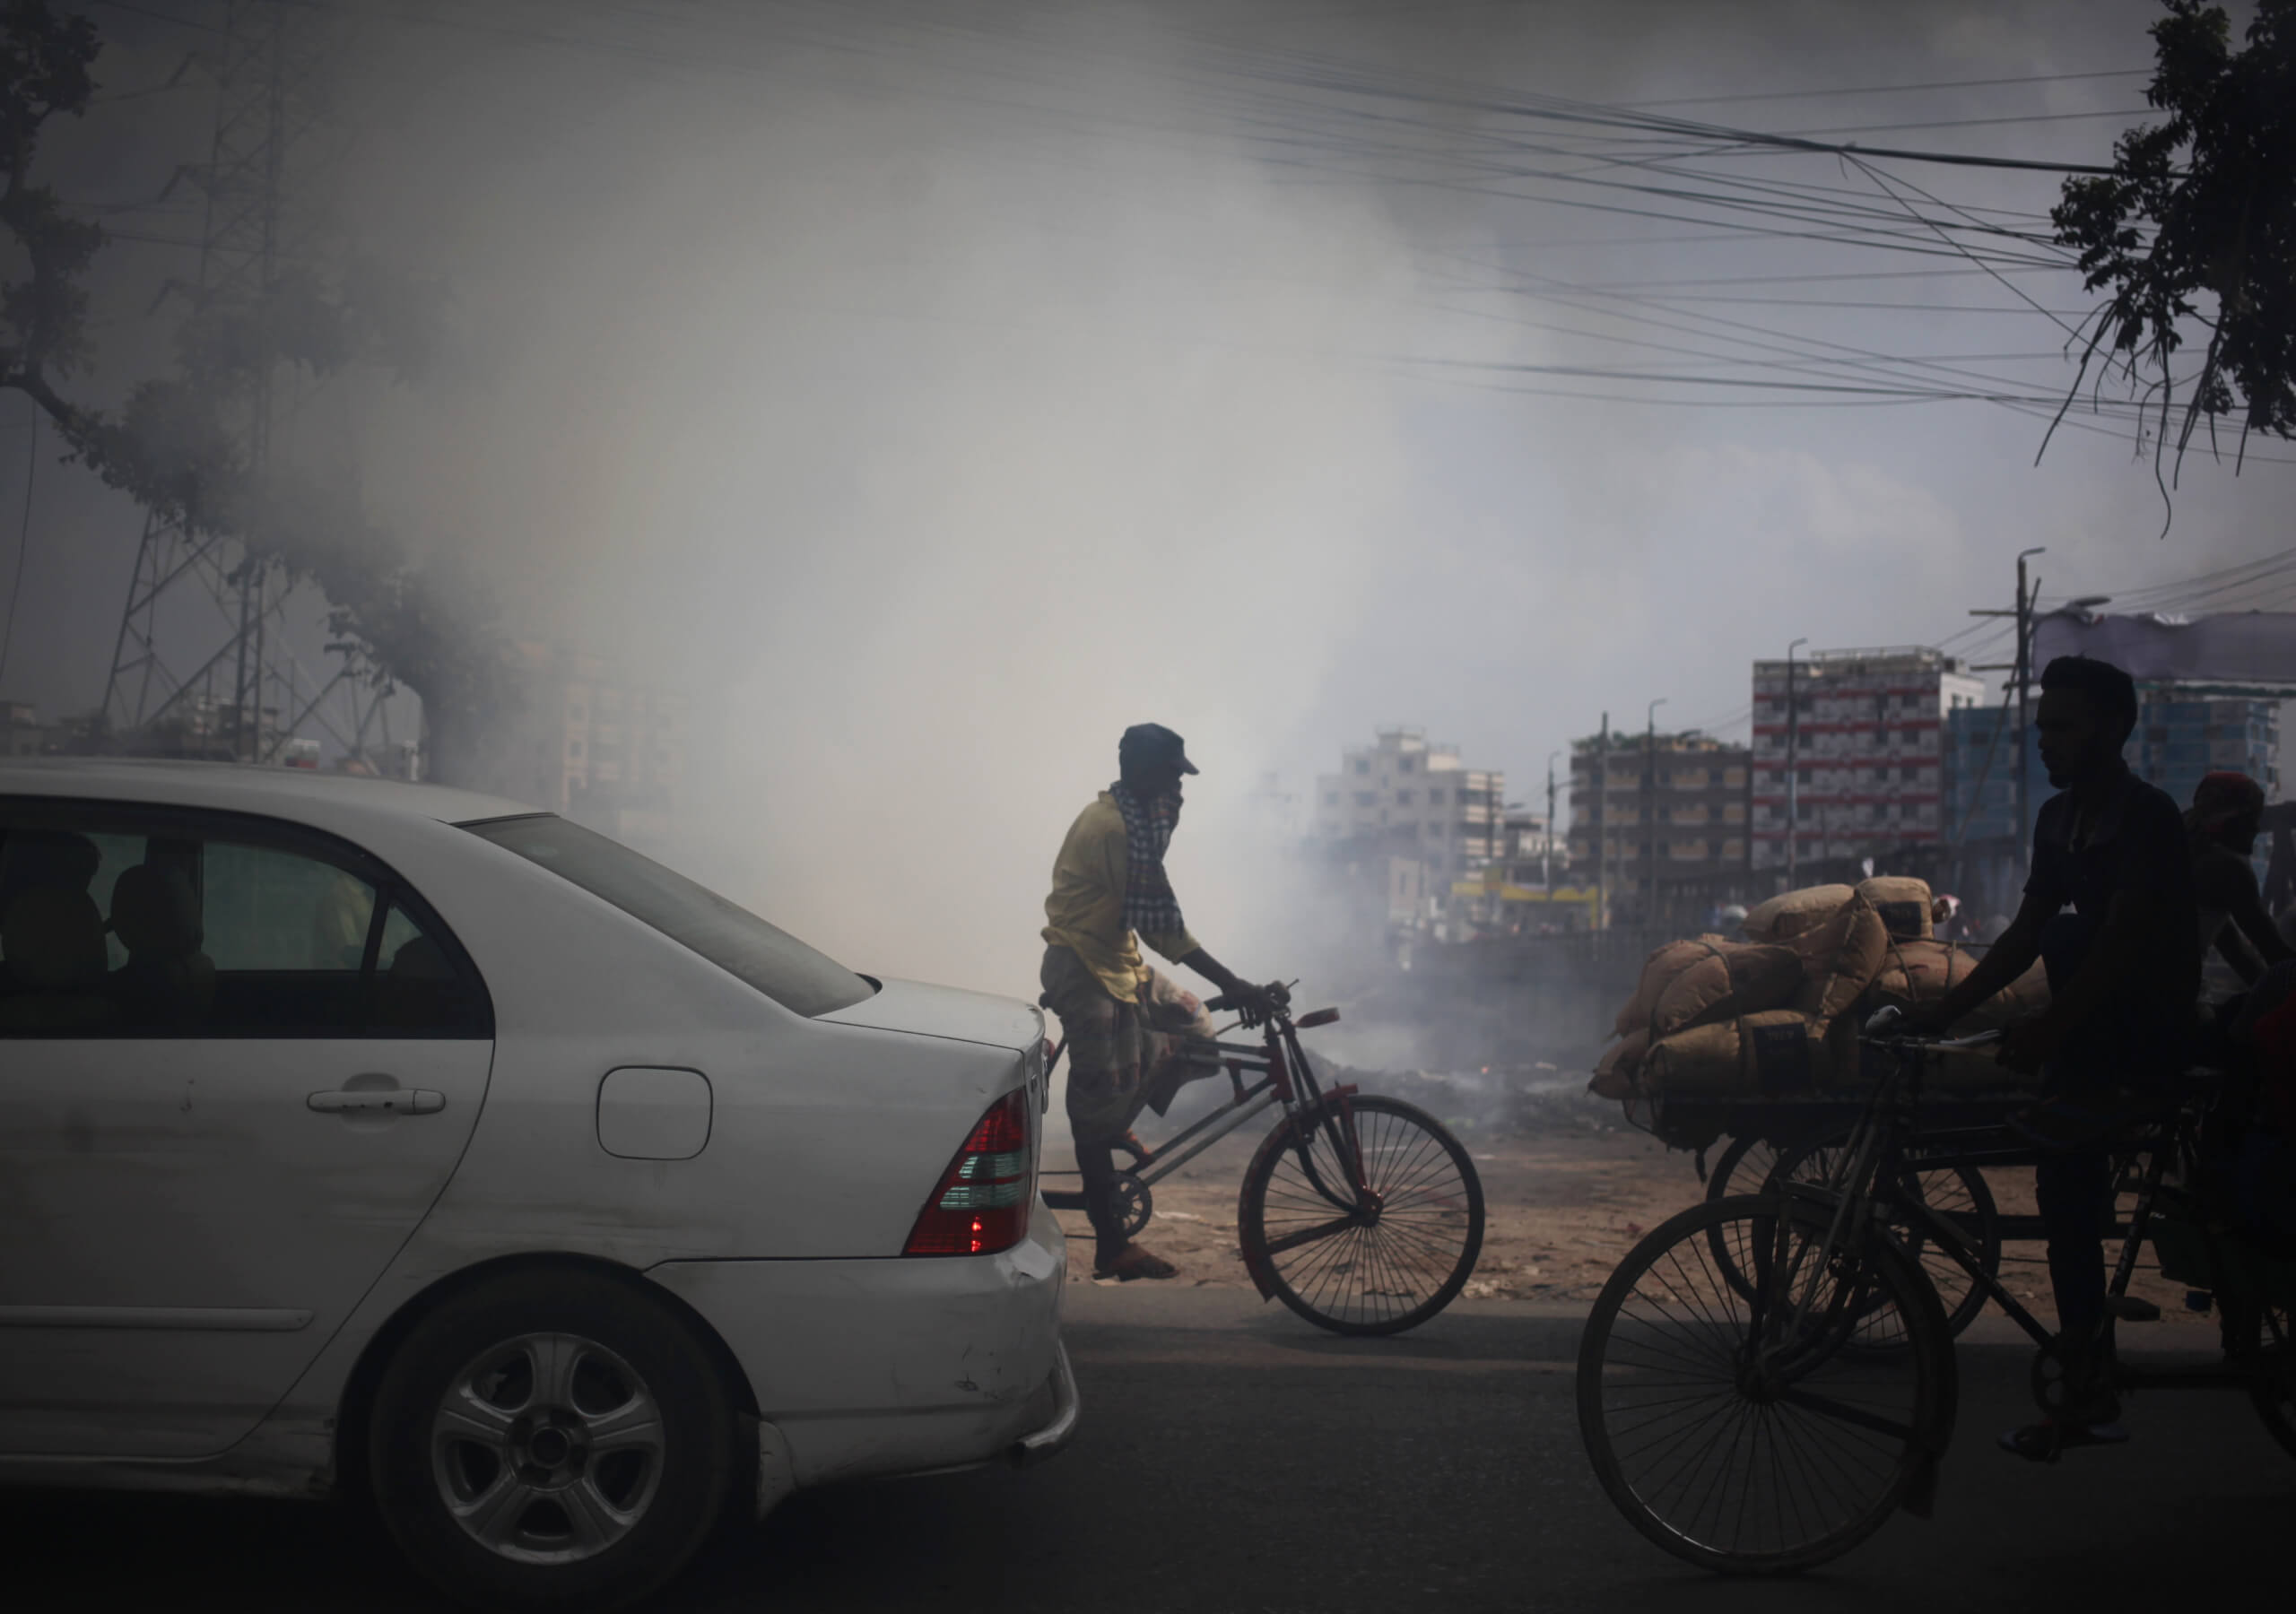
[982,1205]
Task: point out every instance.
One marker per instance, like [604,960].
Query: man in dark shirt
[2226,815]
[2124,973]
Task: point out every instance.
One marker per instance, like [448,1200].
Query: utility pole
[1546,857]
[1602,826]
[1793,769]
[1650,810]
[2024,675]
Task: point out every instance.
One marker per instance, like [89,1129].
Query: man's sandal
[1137,1263]
[2046,1442]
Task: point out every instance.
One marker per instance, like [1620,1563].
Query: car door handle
[393,1101]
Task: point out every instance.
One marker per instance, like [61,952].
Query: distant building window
[1403,766]
[1331,798]
[1402,798]
[1435,798]
[1363,767]
[1363,798]
[573,748]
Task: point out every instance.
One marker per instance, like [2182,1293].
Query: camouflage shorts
[1123,1058]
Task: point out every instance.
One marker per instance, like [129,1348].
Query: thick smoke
[929,445]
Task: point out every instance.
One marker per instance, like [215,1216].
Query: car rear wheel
[554,1440]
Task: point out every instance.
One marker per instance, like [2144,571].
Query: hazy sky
[938,388]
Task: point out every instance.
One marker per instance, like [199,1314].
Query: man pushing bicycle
[2124,973]
[1133,1036]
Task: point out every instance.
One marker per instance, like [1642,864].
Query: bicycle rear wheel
[1742,1167]
[1376,1263]
[1958,1193]
[1722,1416]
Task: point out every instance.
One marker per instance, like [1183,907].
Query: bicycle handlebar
[1879,1029]
[1282,991]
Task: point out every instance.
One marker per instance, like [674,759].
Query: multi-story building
[1869,750]
[1648,816]
[585,740]
[1406,798]
[1981,775]
[2179,737]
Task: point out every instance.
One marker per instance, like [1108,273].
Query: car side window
[132,921]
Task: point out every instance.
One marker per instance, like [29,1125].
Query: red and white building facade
[1871,751]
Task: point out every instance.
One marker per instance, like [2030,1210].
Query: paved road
[1233,1459]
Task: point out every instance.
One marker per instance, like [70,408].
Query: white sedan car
[385,1137]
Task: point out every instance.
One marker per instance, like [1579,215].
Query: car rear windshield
[767,957]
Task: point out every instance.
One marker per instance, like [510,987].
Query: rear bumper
[867,1369]
[1053,1439]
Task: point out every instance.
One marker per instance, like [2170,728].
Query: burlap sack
[1776,1050]
[1732,979]
[1840,959]
[1615,1072]
[1903,904]
[1914,973]
[1790,913]
[1659,971]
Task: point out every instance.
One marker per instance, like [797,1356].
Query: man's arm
[1254,1003]
[2008,957]
[2238,954]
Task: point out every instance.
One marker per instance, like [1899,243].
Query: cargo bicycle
[1766,1378]
[1360,1212]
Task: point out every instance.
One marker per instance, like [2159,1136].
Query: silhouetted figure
[2222,825]
[2109,908]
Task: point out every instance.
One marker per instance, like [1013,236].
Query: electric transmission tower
[246,695]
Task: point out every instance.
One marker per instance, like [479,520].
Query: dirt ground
[1564,1203]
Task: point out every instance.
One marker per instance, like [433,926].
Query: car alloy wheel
[547,1449]
[557,1438]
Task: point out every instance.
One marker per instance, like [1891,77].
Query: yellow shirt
[1085,910]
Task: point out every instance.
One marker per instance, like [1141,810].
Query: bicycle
[1766,1412]
[1360,1212]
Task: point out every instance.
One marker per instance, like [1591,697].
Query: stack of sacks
[1692,984]
[1787,1048]
[1780,1011]
[1719,1016]
[1919,973]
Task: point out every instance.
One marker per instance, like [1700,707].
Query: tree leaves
[2195,230]
[183,444]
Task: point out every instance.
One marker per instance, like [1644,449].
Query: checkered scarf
[1148,905]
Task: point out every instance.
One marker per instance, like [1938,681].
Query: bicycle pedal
[2130,1308]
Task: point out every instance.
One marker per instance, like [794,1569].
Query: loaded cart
[1746,1049]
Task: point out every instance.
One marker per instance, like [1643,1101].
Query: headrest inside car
[153,913]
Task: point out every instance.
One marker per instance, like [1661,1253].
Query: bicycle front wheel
[1720,1412]
[1376,1259]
